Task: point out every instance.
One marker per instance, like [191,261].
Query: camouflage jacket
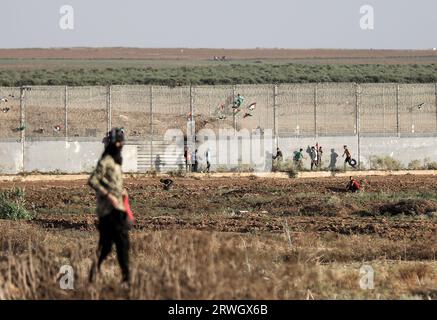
[107,177]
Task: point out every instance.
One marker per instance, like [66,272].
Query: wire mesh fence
[10,114]
[87,113]
[379,114]
[130,109]
[147,112]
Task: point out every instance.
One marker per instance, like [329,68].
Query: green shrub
[415,165]
[243,168]
[285,166]
[385,163]
[12,205]
[429,165]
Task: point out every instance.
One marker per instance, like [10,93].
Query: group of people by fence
[315,157]
[192,160]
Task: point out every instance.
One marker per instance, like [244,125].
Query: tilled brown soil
[332,55]
[245,205]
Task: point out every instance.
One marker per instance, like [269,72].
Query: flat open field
[232,238]
[177,66]
[172,54]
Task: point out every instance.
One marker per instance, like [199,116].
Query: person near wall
[314,157]
[195,161]
[297,158]
[348,159]
[208,160]
[113,220]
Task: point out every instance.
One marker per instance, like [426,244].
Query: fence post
[435,93]
[66,111]
[151,124]
[22,125]
[191,118]
[315,109]
[234,118]
[275,124]
[109,108]
[398,129]
[358,124]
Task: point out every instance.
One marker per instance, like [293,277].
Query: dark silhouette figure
[181,162]
[268,161]
[158,163]
[333,163]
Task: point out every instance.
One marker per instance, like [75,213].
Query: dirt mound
[409,207]
[326,210]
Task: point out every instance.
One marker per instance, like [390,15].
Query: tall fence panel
[10,114]
[212,107]
[87,112]
[417,108]
[336,109]
[379,109]
[44,113]
[295,109]
[171,109]
[256,111]
[130,107]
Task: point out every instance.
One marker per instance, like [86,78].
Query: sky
[398,24]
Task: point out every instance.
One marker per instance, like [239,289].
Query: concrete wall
[11,158]
[60,156]
[403,149]
[79,157]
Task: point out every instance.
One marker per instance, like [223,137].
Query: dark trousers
[195,165]
[349,161]
[113,228]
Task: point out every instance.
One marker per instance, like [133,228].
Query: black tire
[353,162]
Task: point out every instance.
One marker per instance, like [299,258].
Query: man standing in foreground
[113,225]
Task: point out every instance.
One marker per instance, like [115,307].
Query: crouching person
[113,224]
[353,185]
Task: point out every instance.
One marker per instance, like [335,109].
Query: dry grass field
[230,238]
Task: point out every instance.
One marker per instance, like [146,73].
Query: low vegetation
[385,163]
[13,205]
[257,73]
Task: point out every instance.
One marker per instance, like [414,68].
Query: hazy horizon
[218,48]
[228,24]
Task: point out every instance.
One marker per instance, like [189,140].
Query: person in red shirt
[353,185]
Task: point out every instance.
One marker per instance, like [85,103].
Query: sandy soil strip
[272,175]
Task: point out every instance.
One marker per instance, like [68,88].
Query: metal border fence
[45,113]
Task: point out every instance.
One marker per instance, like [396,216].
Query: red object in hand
[129,212]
